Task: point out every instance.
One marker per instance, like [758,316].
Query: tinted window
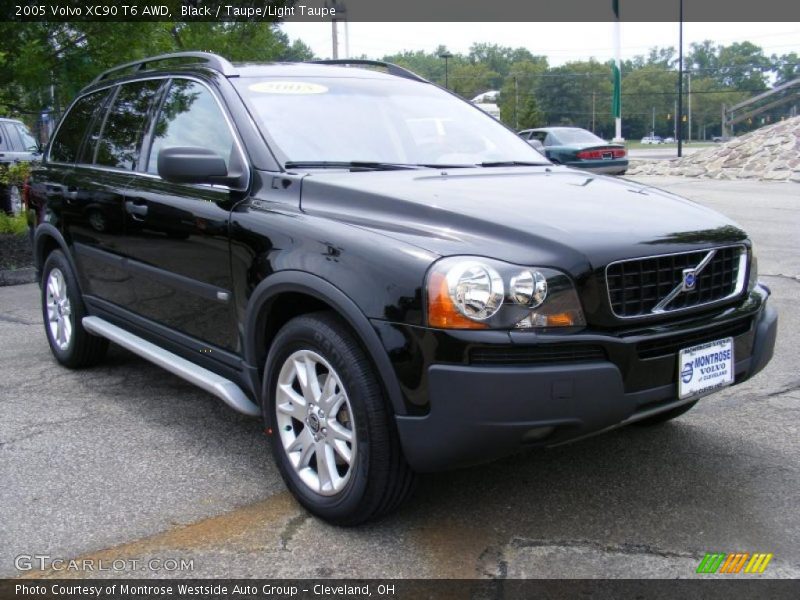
[67,143]
[190,116]
[576,136]
[122,132]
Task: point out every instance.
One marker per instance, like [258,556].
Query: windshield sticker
[288,87]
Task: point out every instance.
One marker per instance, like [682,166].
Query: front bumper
[478,413]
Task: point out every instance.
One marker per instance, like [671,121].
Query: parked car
[16,145]
[393,281]
[669,140]
[579,148]
[652,139]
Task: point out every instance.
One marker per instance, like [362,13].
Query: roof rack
[213,61]
[391,68]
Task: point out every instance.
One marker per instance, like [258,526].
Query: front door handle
[137,211]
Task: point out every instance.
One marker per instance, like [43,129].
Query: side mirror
[189,164]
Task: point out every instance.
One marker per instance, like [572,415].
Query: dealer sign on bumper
[704,368]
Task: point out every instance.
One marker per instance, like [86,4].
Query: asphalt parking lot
[127,462]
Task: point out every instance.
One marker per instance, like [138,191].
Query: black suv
[393,280]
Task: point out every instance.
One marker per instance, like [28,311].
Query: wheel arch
[47,238]
[295,292]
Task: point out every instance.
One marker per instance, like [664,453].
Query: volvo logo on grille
[689,279]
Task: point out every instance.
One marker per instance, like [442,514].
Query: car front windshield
[372,120]
[576,136]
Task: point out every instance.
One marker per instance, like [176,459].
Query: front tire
[62,312]
[333,435]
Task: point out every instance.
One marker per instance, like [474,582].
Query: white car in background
[652,139]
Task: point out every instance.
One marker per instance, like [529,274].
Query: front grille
[672,344]
[637,286]
[530,355]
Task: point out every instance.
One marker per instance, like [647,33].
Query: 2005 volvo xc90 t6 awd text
[394,281]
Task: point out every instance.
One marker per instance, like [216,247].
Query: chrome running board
[215,384]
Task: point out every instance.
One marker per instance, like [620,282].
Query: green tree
[519,107]
[743,66]
[469,80]
[46,64]
[578,94]
[787,67]
[648,95]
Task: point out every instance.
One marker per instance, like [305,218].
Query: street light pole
[446,56]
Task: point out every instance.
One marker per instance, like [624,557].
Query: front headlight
[465,292]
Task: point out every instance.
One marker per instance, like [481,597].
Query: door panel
[177,242]
[177,235]
[92,218]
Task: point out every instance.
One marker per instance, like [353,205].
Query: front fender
[316,287]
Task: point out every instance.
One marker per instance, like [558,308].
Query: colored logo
[688,372]
[738,562]
[689,279]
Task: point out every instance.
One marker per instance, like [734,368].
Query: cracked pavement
[125,461]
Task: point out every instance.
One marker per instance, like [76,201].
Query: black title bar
[401,10]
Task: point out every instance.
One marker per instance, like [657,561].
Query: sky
[560,42]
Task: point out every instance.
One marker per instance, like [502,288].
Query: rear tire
[666,416]
[333,433]
[63,312]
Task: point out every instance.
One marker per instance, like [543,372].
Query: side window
[28,141]
[190,116]
[125,124]
[538,135]
[66,145]
[3,138]
[13,139]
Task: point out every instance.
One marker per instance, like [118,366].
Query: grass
[17,225]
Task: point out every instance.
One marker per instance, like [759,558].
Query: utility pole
[653,127]
[516,103]
[689,110]
[679,113]
[593,113]
[340,9]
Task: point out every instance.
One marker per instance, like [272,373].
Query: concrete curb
[17,276]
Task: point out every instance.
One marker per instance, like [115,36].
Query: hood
[547,216]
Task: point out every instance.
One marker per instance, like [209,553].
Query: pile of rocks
[771,153]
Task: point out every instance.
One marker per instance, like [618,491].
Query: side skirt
[215,384]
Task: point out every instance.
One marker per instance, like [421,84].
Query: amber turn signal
[442,312]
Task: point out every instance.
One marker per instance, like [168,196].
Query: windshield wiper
[513,163]
[351,164]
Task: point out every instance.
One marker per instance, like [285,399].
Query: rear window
[67,142]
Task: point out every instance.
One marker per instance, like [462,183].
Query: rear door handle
[137,211]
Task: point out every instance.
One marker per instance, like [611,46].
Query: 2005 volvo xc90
[390,278]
